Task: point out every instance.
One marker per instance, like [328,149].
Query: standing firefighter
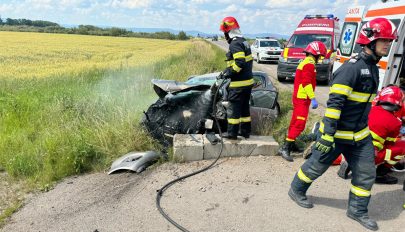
[239,70]
[344,129]
[303,96]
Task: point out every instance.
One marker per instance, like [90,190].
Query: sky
[254,16]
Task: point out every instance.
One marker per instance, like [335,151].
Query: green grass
[59,126]
[280,127]
[9,211]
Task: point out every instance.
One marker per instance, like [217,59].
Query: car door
[263,97]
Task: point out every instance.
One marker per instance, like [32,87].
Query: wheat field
[40,55]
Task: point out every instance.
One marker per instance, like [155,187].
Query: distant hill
[278,36]
[173,31]
[203,34]
[194,33]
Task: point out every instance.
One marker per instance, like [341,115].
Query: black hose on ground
[166,186]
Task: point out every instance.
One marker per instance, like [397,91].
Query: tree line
[26,25]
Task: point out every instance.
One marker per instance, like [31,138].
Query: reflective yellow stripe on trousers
[360,192]
[303,177]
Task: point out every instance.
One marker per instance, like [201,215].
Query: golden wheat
[38,55]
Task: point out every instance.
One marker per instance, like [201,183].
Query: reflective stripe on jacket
[240,61]
[354,86]
[305,79]
[384,127]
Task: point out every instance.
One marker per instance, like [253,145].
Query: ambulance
[391,67]
[324,28]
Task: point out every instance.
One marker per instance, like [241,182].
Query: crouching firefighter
[385,129]
[239,70]
[303,96]
[344,127]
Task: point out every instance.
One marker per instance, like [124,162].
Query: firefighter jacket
[305,79]
[240,63]
[354,86]
[384,127]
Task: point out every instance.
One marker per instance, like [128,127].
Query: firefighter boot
[358,211]
[285,151]
[296,148]
[383,177]
[344,170]
[229,136]
[298,191]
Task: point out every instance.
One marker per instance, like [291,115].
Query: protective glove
[220,76]
[402,130]
[314,103]
[325,143]
[227,73]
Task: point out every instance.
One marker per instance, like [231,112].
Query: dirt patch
[12,193]
[239,194]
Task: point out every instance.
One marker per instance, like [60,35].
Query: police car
[266,49]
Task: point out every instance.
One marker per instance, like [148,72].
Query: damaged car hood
[163,87]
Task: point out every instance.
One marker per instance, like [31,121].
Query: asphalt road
[270,68]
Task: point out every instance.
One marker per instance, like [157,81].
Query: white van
[391,67]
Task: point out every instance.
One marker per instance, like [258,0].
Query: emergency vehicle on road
[391,67]
[324,28]
[266,49]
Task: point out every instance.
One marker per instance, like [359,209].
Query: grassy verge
[279,128]
[59,126]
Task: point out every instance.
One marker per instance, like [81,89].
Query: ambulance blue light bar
[328,16]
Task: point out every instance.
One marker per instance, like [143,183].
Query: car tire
[258,58]
[281,79]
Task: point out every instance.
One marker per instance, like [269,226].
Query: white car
[266,50]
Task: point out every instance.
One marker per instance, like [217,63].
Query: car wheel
[280,78]
[258,58]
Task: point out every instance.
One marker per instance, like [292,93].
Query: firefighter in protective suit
[239,70]
[344,127]
[303,96]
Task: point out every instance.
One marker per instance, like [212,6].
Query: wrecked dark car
[187,107]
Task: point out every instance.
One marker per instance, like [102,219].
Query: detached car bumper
[287,70]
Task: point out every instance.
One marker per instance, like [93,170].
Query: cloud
[4,8]
[131,4]
[254,16]
[40,4]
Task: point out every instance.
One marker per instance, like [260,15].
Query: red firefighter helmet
[391,95]
[401,112]
[228,23]
[316,48]
[378,28]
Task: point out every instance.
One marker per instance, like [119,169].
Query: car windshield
[202,80]
[269,44]
[302,40]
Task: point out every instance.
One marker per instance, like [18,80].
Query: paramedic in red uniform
[303,96]
[385,127]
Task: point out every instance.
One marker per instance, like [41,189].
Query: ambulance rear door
[351,27]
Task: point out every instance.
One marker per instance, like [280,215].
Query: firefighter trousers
[360,157]
[238,111]
[298,119]
[391,153]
